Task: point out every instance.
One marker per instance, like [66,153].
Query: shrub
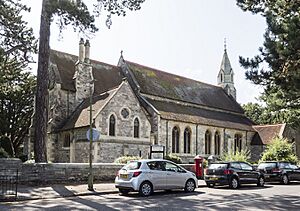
[125,159]
[173,158]
[243,155]
[279,150]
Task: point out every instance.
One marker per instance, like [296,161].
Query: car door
[285,167]
[236,167]
[295,172]
[176,177]
[249,175]
[157,174]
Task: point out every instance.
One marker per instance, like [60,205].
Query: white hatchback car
[146,176]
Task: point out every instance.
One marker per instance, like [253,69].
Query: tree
[76,13]
[272,112]
[279,150]
[17,43]
[16,108]
[280,51]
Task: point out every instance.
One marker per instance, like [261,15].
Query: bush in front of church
[174,158]
[126,159]
[280,149]
[243,155]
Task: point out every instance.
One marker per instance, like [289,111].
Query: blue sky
[177,36]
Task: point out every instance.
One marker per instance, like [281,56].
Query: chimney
[87,51]
[81,50]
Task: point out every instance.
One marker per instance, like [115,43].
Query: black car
[233,174]
[280,171]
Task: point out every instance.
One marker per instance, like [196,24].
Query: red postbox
[199,166]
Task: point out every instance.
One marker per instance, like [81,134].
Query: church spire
[225,76]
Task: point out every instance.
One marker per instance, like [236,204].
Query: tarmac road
[271,197]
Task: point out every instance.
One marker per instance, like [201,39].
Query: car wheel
[123,191]
[234,183]
[210,185]
[285,179]
[261,182]
[146,189]
[190,186]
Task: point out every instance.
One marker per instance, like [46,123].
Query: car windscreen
[133,165]
[266,165]
[218,166]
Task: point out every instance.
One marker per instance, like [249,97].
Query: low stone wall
[51,173]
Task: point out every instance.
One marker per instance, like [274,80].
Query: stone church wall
[198,141]
[108,148]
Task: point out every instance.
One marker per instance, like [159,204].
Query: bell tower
[225,76]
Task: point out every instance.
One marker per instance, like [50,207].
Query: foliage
[16,107]
[174,158]
[280,51]
[3,153]
[272,112]
[125,159]
[243,155]
[279,150]
[16,41]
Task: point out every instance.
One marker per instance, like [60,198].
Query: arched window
[136,128]
[221,77]
[207,142]
[175,140]
[237,143]
[217,143]
[66,140]
[112,125]
[187,140]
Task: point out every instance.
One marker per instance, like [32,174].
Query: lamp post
[90,177]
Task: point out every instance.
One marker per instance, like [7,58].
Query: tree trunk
[41,105]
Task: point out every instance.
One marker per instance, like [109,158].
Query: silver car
[146,176]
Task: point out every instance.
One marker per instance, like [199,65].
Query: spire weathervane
[225,44]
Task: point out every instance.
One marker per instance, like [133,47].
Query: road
[271,197]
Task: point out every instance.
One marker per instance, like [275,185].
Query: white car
[146,176]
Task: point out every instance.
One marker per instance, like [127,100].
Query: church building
[135,107]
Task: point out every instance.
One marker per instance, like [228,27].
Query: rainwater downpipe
[167,137]
[196,140]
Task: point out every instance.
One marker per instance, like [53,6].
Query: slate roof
[107,76]
[167,85]
[179,112]
[81,117]
[265,133]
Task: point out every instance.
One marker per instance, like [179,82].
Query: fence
[9,185]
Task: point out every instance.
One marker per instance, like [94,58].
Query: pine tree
[280,51]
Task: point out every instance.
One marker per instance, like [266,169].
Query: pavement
[26,192]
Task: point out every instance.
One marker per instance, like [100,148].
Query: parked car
[146,176]
[283,172]
[233,174]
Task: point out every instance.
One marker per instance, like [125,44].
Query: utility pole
[90,178]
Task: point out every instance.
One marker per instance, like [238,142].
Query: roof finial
[121,53]
[225,44]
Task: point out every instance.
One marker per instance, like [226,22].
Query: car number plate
[124,176]
[214,178]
